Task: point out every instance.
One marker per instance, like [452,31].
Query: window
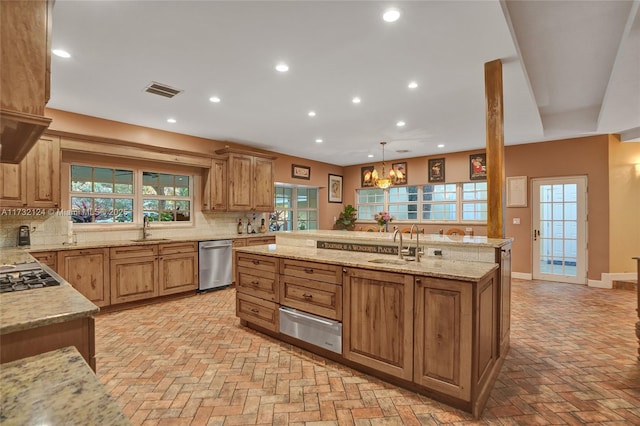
[101,195]
[450,202]
[370,202]
[474,201]
[110,195]
[439,202]
[296,208]
[166,197]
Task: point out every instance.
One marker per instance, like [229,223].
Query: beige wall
[624,202]
[610,166]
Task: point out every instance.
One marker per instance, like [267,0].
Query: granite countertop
[428,266]
[56,388]
[387,237]
[23,310]
[151,240]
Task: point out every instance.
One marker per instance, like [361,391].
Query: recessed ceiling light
[400,123]
[171,120]
[318,140]
[391,15]
[282,67]
[214,99]
[412,85]
[312,114]
[355,100]
[441,145]
[61,53]
[370,155]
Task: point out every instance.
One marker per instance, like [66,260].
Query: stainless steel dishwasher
[214,264]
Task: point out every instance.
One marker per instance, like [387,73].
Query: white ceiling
[570,68]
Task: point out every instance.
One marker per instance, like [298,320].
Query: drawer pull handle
[254,310]
[255,262]
[254,282]
[308,270]
[307,296]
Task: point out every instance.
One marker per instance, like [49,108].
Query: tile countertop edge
[59,388]
[448,269]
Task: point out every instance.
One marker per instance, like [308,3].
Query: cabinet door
[43,173]
[240,182]
[443,341]
[48,258]
[134,279]
[88,272]
[13,181]
[238,242]
[218,184]
[263,185]
[504,298]
[378,321]
[178,273]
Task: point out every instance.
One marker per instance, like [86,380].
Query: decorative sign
[363,248]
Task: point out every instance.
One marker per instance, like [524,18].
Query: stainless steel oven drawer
[313,329]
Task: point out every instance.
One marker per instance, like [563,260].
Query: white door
[560,229]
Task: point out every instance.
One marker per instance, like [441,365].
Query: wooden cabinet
[25,46]
[178,267]
[503,258]
[215,195]
[88,272]
[237,242]
[35,182]
[134,273]
[443,336]
[378,321]
[250,181]
[257,290]
[49,258]
[258,241]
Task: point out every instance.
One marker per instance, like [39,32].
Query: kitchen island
[438,326]
[44,319]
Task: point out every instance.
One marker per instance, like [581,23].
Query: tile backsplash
[53,229]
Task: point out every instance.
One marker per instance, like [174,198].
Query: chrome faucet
[145,225]
[418,251]
[401,251]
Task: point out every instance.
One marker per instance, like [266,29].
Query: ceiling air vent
[162,90]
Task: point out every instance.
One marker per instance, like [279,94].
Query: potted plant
[347,218]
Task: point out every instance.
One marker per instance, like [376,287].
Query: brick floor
[189,362]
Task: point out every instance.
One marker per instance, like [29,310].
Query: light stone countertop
[56,388]
[24,310]
[428,266]
[387,238]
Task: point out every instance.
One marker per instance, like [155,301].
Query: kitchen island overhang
[447,320]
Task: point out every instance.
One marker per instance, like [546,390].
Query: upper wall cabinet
[35,182]
[250,180]
[215,186]
[25,46]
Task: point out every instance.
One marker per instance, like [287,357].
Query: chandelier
[384,180]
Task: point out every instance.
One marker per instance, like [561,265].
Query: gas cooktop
[25,276]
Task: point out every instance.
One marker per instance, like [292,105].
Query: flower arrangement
[383,218]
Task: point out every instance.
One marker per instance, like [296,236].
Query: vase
[384,228]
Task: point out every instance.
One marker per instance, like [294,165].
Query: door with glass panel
[560,229]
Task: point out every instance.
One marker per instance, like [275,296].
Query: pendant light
[383,180]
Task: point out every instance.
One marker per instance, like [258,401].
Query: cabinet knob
[254,310]
[254,282]
[418,280]
[256,262]
[307,296]
[308,270]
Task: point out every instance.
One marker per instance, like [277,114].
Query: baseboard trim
[609,278]
[522,275]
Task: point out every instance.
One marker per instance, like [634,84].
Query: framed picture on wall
[365,177]
[478,166]
[436,170]
[335,188]
[400,169]
[300,172]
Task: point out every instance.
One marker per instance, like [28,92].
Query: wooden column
[495,148]
[638,307]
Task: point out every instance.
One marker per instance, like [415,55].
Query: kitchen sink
[144,240]
[389,261]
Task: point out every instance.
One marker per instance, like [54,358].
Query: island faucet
[418,251]
[401,251]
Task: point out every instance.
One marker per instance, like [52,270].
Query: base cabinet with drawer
[258,290]
[134,273]
[177,267]
[87,270]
